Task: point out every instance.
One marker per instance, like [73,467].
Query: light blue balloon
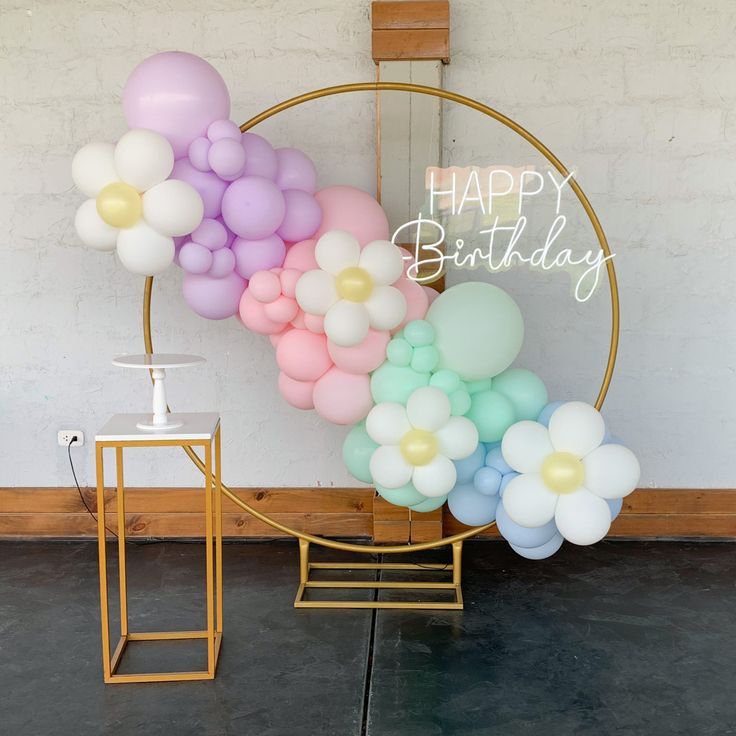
[405,496]
[487,481]
[522,536]
[548,411]
[541,552]
[494,459]
[507,478]
[429,504]
[615,504]
[469,466]
[470,507]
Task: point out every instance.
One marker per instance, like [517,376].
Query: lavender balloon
[253,207]
[303,216]
[296,170]
[210,187]
[260,158]
[213,298]
[258,255]
[195,258]
[212,234]
[223,263]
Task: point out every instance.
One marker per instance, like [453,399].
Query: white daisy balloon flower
[133,206]
[352,288]
[418,443]
[567,473]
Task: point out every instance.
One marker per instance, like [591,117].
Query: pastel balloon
[417,302]
[263,254]
[396,383]
[143,159]
[198,152]
[615,504]
[255,318]
[356,453]
[429,504]
[300,256]
[548,411]
[492,413]
[541,552]
[469,466]
[362,358]
[295,170]
[176,94]
[470,507]
[173,207]
[282,309]
[195,258]
[93,167]
[487,481]
[404,496]
[223,263]
[265,286]
[524,389]
[523,536]
[576,427]
[145,251]
[209,186]
[303,356]
[253,207]
[223,129]
[353,210]
[342,398]
[297,393]
[302,218]
[479,329]
[260,157]
[213,298]
[226,158]
[93,231]
[211,234]
[611,471]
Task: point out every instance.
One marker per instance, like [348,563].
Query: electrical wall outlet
[65,437]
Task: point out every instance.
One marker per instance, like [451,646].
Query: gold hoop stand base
[453,585]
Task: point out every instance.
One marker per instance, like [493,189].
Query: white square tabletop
[122,428]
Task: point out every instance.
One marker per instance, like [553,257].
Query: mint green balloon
[419,333]
[475,387]
[524,389]
[425,359]
[460,402]
[356,453]
[429,504]
[405,496]
[396,383]
[447,381]
[492,413]
[399,352]
[478,329]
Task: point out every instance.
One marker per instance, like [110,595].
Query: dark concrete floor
[622,638]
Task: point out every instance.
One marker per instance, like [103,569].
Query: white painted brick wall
[637,95]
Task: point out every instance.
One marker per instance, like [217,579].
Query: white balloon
[388,467]
[611,471]
[315,292]
[458,438]
[525,445]
[346,323]
[576,427]
[528,501]
[383,260]
[173,207]
[386,307]
[387,423]
[436,478]
[336,250]
[428,408]
[93,231]
[143,250]
[93,167]
[143,159]
[582,517]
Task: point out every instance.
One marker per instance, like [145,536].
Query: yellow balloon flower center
[418,447]
[119,205]
[354,284]
[562,472]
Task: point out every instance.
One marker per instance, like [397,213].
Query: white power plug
[65,436]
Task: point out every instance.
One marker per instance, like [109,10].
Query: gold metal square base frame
[454,585]
[213,546]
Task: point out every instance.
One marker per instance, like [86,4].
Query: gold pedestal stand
[306,566]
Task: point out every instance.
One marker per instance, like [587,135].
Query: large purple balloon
[260,158]
[303,216]
[258,255]
[253,207]
[296,170]
[213,298]
[176,94]
[210,187]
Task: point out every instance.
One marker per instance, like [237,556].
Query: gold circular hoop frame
[527,136]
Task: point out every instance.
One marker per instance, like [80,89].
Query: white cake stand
[157,363]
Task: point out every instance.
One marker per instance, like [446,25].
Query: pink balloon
[210,187]
[175,94]
[254,318]
[351,209]
[252,256]
[431,293]
[417,302]
[296,170]
[342,398]
[302,218]
[213,298]
[296,393]
[314,323]
[260,158]
[283,309]
[265,286]
[275,339]
[362,358]
[253,207]
[301,256]
[303,356]
[288,278]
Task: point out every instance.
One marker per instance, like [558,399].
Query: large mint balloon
[356,453]
[429,504]
[396,383]
[478,329]
[524,389]
[492,413]
[405,496]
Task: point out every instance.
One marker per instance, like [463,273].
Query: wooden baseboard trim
[37,513]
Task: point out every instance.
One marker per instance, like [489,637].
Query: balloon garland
[439,414]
